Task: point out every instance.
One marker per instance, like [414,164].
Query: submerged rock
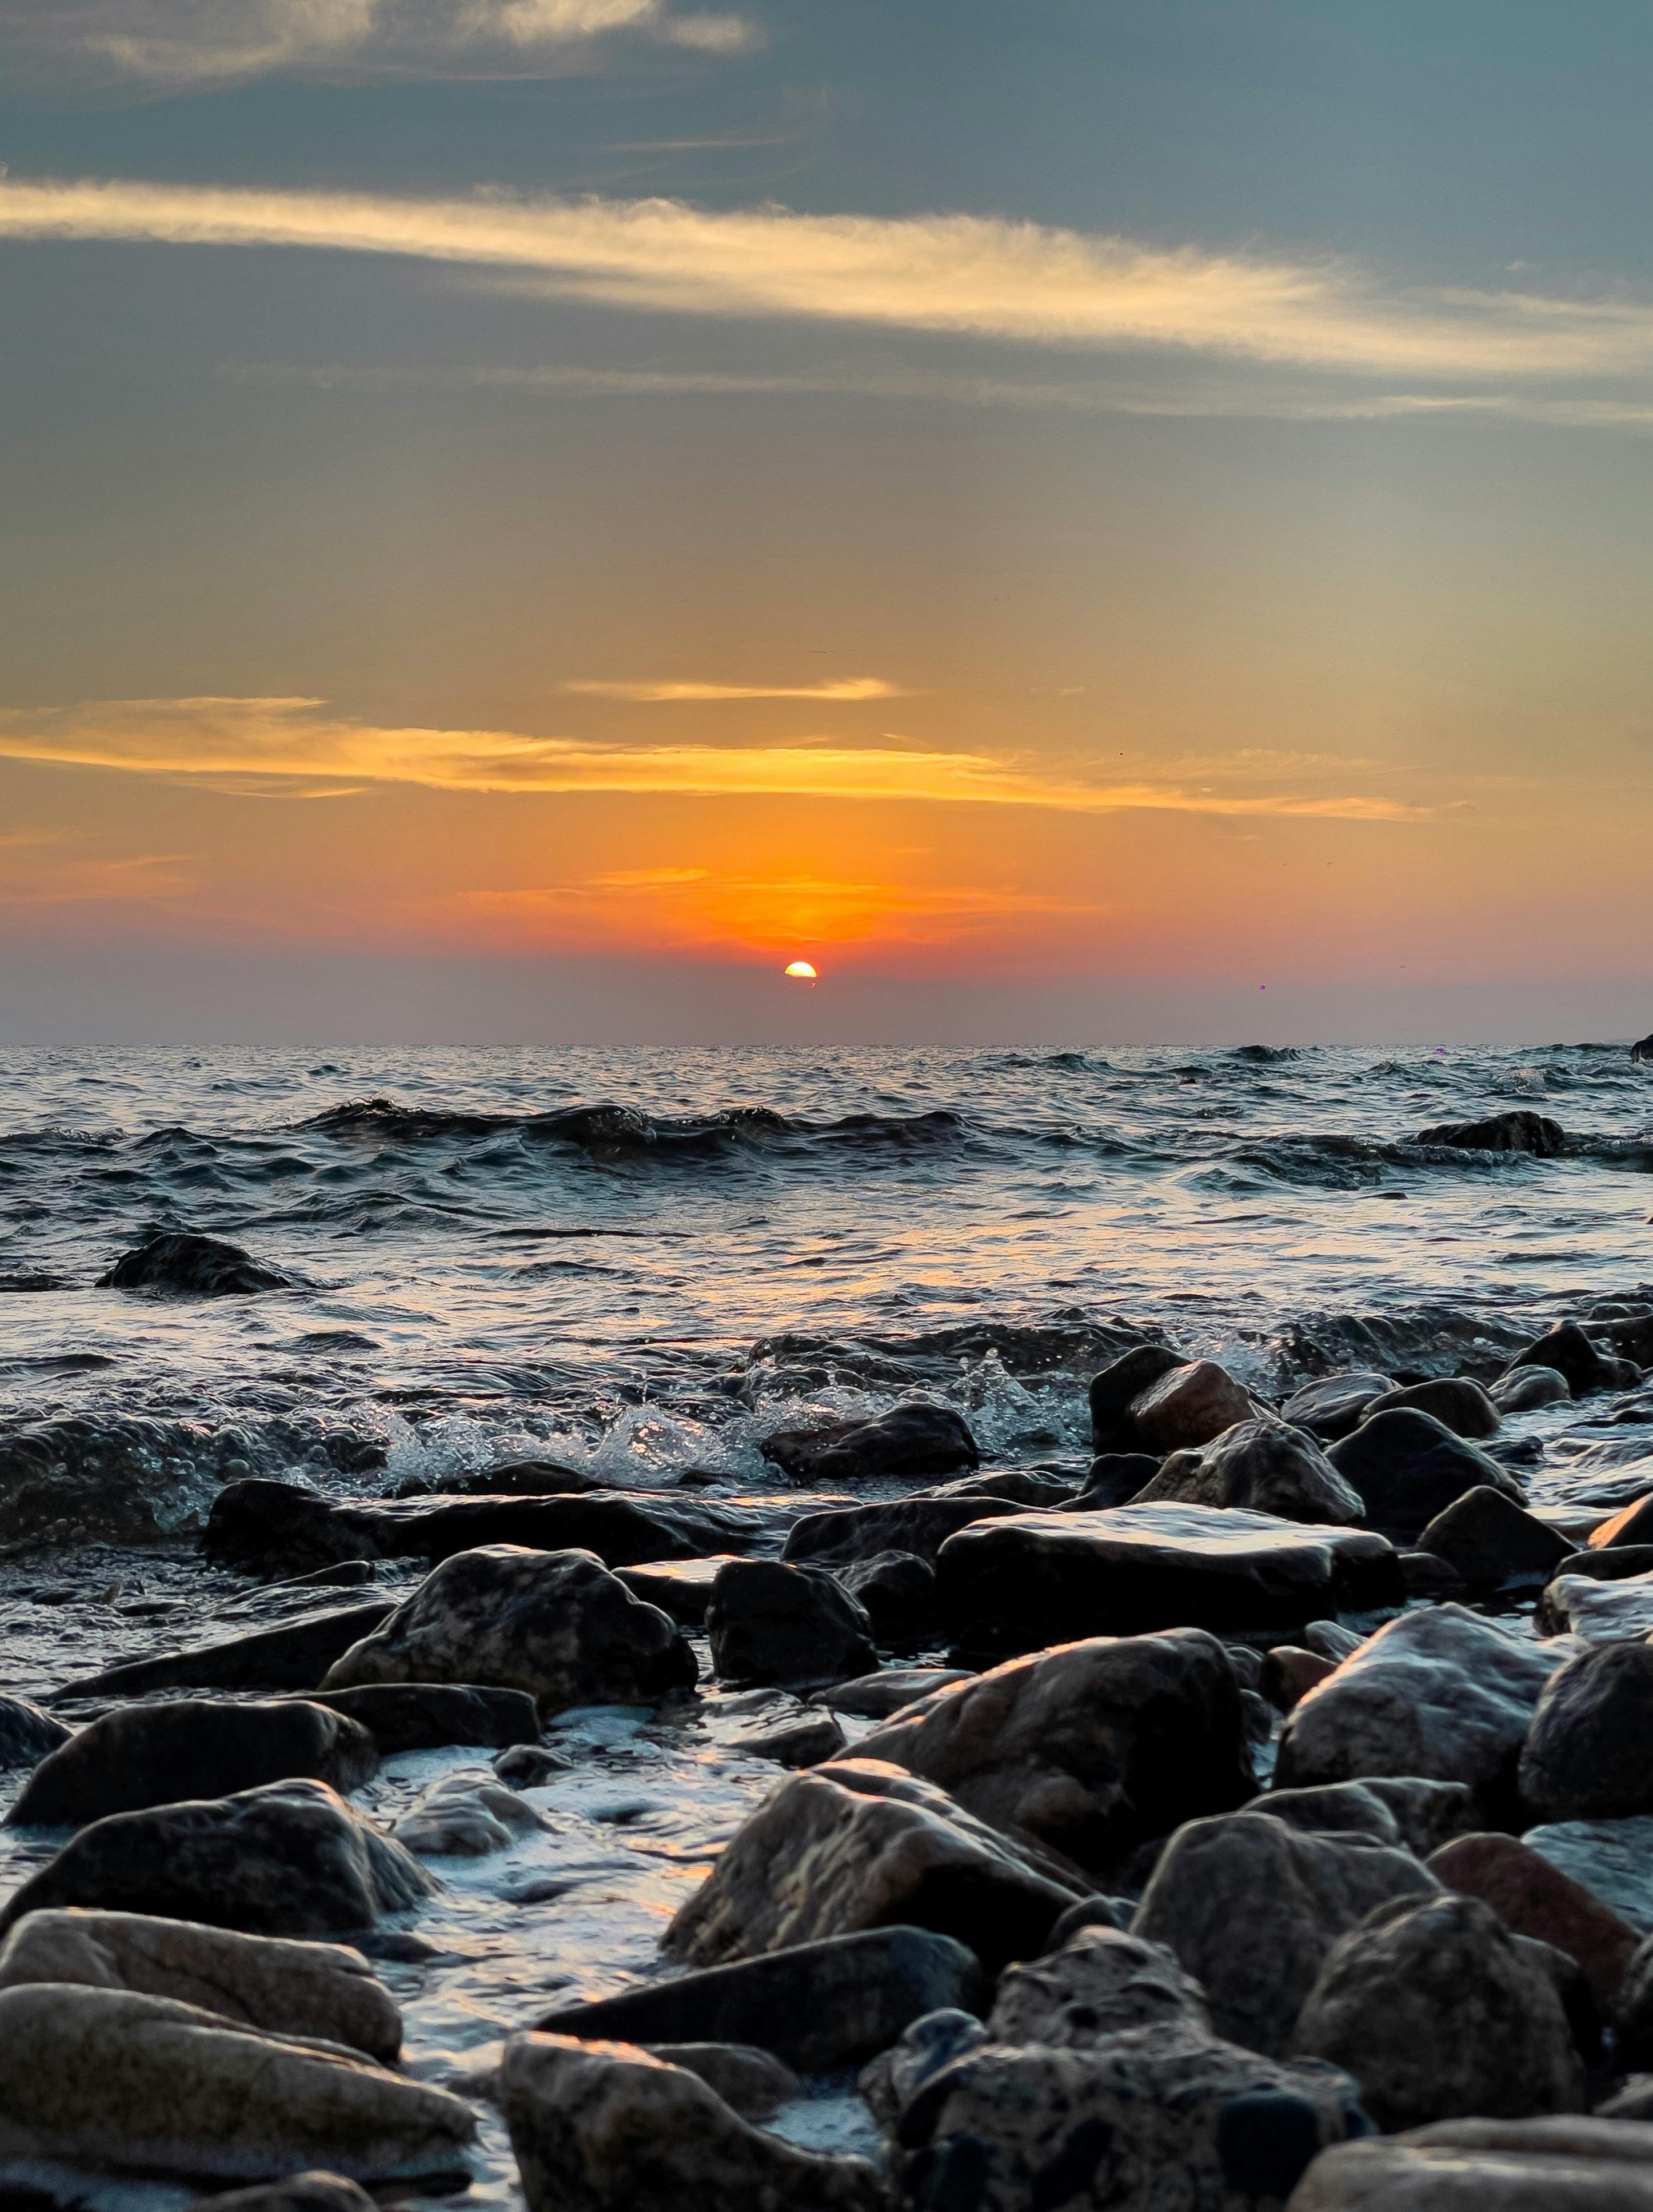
[1408,1468]
[293,1657]
[1261,1466]
[188,1266]
[1517,1130]
[912,1440]
[771,1622]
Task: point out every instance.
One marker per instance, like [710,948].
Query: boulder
[1518,1129]
[875,1697]
[1441,1693]
[1008,1485]
[682,1588]
[818,2006]
[1490,1541]
[920,1526]
[858,1844]
[896,1591]
[1629,1529]
[1112,1390]
[1533,1898]
[1330,1407]
[142,2085]
[468,1813]
[1187,1407]
[26,1734]
[1261,1466]
[1101,1983]
[1587,1756]
[749,2081]
[554,1624]
[770,1622]
[605,2127]
[298,2192]
[1488,2166]
[1092,1748]
[1289,1673]
[1437,2013]
[1037,1579]
[1526,1390]
[431,1715]
[1114,1479]
[141,1755]
[1408,1466]
[910,1441]
[187,1267]
[530,1766]
[1598,1608]
[1612,1859]
[797,1739]
[1456,1401]
[1335,1809]
[293,1657]
[1251,1907]
[319,1991]
[1630,2006]
[290,1859]
[1583,1365]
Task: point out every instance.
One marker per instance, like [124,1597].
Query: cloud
[848,688]
[263,744]
[48,867]
[950,274]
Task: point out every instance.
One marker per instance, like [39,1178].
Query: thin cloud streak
[850,689]
[948,274]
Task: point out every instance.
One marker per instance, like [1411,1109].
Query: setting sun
[801,971]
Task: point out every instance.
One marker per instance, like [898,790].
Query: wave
[607,1129]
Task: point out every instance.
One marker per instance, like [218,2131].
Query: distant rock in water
[190,1266]
[1519,1130]
[1643,1049]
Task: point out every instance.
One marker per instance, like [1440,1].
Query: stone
[187,1266]
[1331,1407]
[142,1755]
[896,1590]
[1612,1859]
[771,1622]
[293,1657]
[818,2006]
[876,1697]
[1633,2101]
[1408,1466]
[1334,1808]
[1332,1639]
[1435,2010]
[1533,1898]
[1629,1529]
[911,1441]
[143,2085]
[682,1588]
[1630,2006]
[1114,1479]
[1518,1129]
[26,1734]
[1189,1407]
[1490,1541]
[1100,1983]
[1250,1907]
[1454,1400]
[1596,1608]
[920,1526]
[605,2127]
[1289,1673]
[1441,1693]
[1263,1467]
[1423,1575]
[554,1624]
[530,1478]
[1091,1747]
[298,2192]
[1526,1390]
[1588,1755]
[431,1715]
[1008,1485]
[890,2083]
[1488,2166]
[749,2081]
[318,1991]
[1569,1352]
[530,1766]
[289,1859]
[799,1740]
[860,1844]
[1036,1579]
[1428,1814]
[468,1813]
[1112,1390]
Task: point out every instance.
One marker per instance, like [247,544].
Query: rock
[298,2192]
[1008,1485]
[1332,1639]
[318,1991]
[1263,1467]
[1091,1747]
[1428,1814]
[530,1765]
[1099,1983]
[801,1740]
[875,1697]
[112,2080]
[1114,1389]
[1189,1407]
[1423,1575]
[1033,1580]
[910,1441]
[861,1844]
[1408,1466]
[1440,1693]
[1114,1479]
[1251,1907]
[1598,1609]
[431,1715]
[1533,1898]
[1289,1673]
[770,1622]
[1490,1541]
[605,2127]
[682,1588]
[1334,1405]
[1517,1130]
[293,1657]
[896,1591]
[290,1859]
[1488,2166]
[26,1734]
[818,2006]
[1633,2101]
[1569,1354]
[1455,1401]
[1525,1389]
[920,1526]
[1334,1808]
[141,1755]
[749,2081]
[530,1478]
[1097,1911]
[1586,1757]
[890,2083]
[102,1478]
[1630,2006]
[193,1267]
[1437,2013]
[1612,1859]
[1629,1529]
[468,1813]
[554,1624]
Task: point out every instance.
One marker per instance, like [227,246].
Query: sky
[1091,524]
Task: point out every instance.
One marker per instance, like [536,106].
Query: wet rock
[530,1478]
[1525,1389]
[1112,1390]
[1437,2013]
[749,2081]
[1598,1609]
[316,1990]
[896,1590]
[1008,1485]
[1490,1541]
[875,1697]
[429,1716]
[1334,1405]
[920,1526]
[888,2084]
[1289,1673]
[1189,1406]
[1629,1529]
[771,1622]
[106,1479]
[1408,1466]
[143,1755]
[818,2006]
[1631,2005]
[1454,1400]
[605,2127]
[861,1844]
[1428,1814]
[112,2080]
[1332,1639]
[682,1588]
[467,1813]
[1335,1809]
[1517,1130]
[26,1734]
[554,1624]
[290,1859]
[1022,1583]
[1114,1479]
[800,1740]
[188,1266]
[1569,1352]
[1423,1575]
[293,1657]
[1100,1983]
[298,2192]
[1091,1747]
[1488,2166]
[530,1765]
[1533,1898]
[1612,1859]
[1251,1907]
[1586,1756]
[911,1441]
[1440,1693]
[1263,1467]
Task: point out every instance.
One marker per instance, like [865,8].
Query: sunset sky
[1085,522]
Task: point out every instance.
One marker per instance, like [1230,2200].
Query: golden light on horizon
[801,971]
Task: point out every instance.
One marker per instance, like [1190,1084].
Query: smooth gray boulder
[1408,1466]
[1488,2166]
[1598,1609]
[1262,1465]
[771,1622]
[1588,1752]
[1492,1543]
[1525,1389]
[26,1734]
[431,1715]
[845,1534]
[911,1440]
[1331,1407]
[1458,1403]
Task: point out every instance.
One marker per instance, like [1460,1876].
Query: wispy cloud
[847,690]
[937,273]
[268,745]
[48,867]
